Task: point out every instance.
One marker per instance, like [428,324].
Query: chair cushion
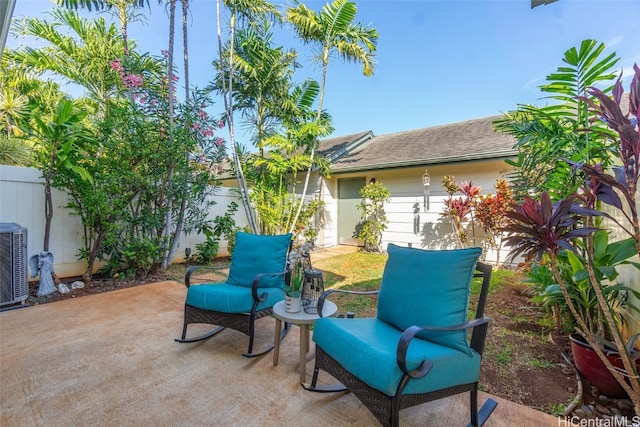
[428,288]
[227,298]
[366,347]
[255,254]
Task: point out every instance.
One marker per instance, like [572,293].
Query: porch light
[426,184]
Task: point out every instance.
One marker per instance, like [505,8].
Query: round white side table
[302,319]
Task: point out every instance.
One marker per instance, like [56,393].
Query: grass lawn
[361,271]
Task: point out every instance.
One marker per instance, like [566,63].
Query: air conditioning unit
[14,282]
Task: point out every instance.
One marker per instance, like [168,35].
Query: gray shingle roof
[334,148]
[455,142]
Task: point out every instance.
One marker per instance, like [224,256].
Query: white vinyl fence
[22,202]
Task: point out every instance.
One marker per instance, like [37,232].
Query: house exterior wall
[327,218]
[405,186]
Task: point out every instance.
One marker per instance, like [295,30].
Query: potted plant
[293,292]
[606,257]
[570,234]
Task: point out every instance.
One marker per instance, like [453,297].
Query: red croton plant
[488,210]
[541,227]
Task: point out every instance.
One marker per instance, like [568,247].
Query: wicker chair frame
[386,408]
[242,322]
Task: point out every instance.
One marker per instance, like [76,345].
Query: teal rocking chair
[255,282]
[416,350]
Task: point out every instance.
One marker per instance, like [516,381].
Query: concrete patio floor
[111,360]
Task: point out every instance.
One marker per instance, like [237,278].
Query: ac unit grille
[14,282]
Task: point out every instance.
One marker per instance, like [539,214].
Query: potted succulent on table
[570,235]
[293,292]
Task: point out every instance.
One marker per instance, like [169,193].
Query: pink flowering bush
[133,212]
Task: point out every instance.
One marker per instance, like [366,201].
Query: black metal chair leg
[473,405]
[395,411]
[200,337]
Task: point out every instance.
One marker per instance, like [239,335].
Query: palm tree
[13,108]
[289,155]
[13,151]
[263,76]
[185,47]
[240,11]
[123,11]
[547,135]
[82,59]
[332,31]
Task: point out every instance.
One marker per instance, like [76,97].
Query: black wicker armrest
[256,282]
[326,293]
[412,331]
[193,268]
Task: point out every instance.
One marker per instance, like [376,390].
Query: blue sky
[438,61]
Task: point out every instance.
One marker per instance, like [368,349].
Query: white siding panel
[405,186]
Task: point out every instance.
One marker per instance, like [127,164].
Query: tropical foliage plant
[241,12]
[570,233]
[474,208]
[278,116]
[460,210]
[61,142]
[129,104]
[546,135]
[373,219]
[223,226]
[127,98]
[332,31]
[13,109]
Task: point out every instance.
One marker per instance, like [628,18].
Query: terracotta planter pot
[591,367]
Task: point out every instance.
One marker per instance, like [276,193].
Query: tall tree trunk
[48,212]
[93,254]
[168,260]
[124,25]
[185,48]
[228,104]
[171,94]
[48,218]
[325,62]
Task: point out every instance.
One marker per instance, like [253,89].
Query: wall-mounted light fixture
[426,184]
[372,181]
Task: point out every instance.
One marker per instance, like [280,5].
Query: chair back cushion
[254,254]
[428,288]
